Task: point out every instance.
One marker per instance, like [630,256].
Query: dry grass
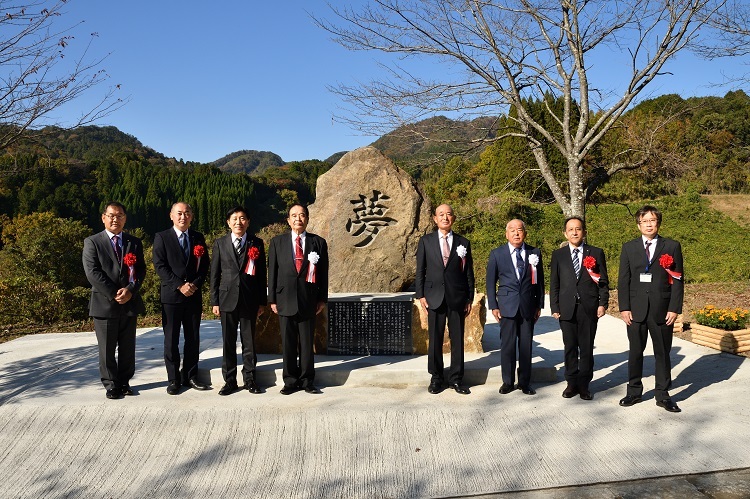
[735,206]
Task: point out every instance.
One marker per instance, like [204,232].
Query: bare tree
[38,73]
[502,53]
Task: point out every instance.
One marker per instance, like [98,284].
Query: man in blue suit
[515,294]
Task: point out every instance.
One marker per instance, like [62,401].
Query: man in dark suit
[181,260]
[649,293]
[297,292]
[114,266]
[579,294]
[515,294]
[238,290]
[445,288]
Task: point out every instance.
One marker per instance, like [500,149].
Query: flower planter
[727,341]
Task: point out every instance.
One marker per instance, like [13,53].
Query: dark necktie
[576,263]
[519,263]
[238,246]
[648,253]
[184,245]
[298,255]
[118,250]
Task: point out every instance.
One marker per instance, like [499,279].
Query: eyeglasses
[650,221]
[118,216]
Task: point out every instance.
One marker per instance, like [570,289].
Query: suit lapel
[229,248]
[107,243]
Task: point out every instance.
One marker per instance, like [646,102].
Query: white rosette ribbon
[533,262]
[313,258]
[461,252]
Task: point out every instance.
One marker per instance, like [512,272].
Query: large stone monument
[372,215]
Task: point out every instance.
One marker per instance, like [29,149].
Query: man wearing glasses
[113,262]
[650,292]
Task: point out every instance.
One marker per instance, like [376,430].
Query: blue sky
[207,79]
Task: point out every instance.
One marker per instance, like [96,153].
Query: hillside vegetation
[54,189]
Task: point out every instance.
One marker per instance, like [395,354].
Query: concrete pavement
[374,432]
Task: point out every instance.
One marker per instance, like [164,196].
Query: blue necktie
[576,263]
[184,245]
[519,263]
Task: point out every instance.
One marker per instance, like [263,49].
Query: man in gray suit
[114,266]
[238,290]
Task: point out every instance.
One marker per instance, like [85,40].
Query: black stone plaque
[370,324]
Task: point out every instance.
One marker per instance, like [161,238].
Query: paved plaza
[375,431]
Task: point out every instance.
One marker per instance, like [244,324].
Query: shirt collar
[513,248]
[179,232]
[644,239]
[110,235]
[579,248]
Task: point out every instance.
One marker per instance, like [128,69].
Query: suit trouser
[246,323]
[187,315]
[116,334]
[661,336]
[578,338]
[516,332]
[297,336]
[436,319]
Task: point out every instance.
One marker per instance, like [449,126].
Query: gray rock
[372,215]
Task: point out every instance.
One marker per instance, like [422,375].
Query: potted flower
[722,328]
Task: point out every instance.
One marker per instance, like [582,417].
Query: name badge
[645,277]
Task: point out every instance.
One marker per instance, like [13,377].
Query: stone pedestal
[473,328]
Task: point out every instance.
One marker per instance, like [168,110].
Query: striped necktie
[576,263]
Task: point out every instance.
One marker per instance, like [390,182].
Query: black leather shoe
[506,388]
[197,385]
[288,389]
[586,395]
[114,393]
[312,389]
[459,389]
[252,387]
[435,387]
[173,388]
[570,392]
[126,390]
[527,390]
[668,405]
[228,389]
[630,400]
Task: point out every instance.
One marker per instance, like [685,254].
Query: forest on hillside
[58,183]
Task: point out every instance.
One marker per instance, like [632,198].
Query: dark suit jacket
[657,297]
[289,289]
[564,286]
[107,275]
[229,283]
[505,292]
[437,282]
[174,270]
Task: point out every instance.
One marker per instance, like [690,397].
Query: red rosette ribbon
[667,262]
[129,259]
[198,252]
[253,253]
[589,263]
